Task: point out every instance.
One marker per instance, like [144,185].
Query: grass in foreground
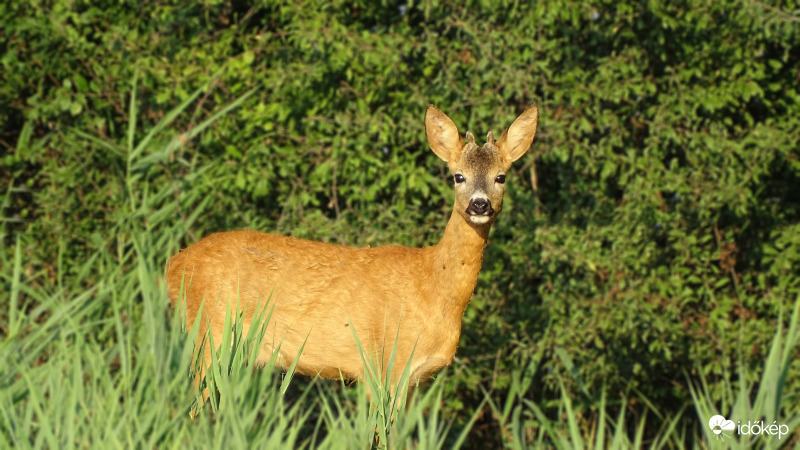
[109,365]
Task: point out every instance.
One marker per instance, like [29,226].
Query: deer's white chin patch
[480,220]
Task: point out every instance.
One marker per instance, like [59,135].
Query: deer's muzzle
[480,207]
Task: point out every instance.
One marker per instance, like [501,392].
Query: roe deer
[315,291]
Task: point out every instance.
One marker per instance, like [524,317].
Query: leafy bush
[650,238]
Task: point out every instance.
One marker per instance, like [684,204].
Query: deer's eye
[460,178]
[500,179]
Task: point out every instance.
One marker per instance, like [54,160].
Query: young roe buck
[315,291]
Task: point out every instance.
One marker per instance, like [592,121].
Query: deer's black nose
[479,207]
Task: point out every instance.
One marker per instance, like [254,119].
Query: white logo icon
[719,425]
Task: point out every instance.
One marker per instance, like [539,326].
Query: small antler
[470,137]
[490,138]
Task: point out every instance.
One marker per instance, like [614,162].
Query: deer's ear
[517,139]
[442,135]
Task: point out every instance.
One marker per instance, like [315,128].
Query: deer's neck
[456,263]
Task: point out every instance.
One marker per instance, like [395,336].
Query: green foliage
[764,403]
[652,231]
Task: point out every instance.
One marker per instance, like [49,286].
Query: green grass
[98,358]
[109,365]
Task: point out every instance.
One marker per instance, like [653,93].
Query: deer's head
[479,171]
